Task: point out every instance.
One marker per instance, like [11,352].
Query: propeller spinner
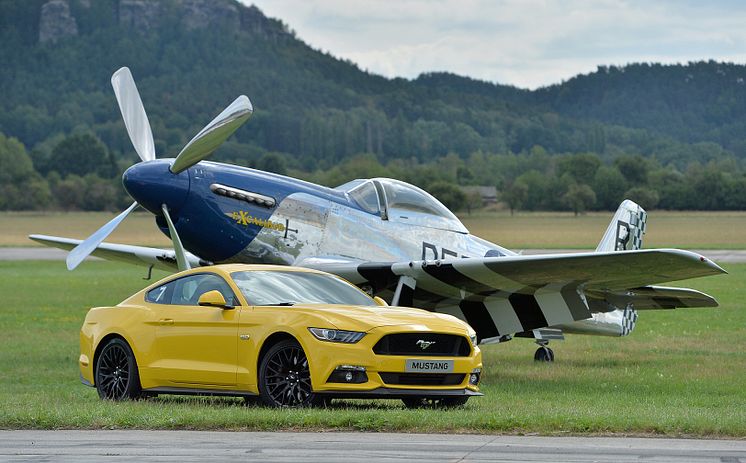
[160,189]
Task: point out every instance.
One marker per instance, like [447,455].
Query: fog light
[474,376]
[353,374]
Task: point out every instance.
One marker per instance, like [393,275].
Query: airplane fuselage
[225,213]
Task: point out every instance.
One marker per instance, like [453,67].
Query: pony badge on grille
[424,344]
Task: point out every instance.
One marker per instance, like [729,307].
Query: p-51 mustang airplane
[390,238]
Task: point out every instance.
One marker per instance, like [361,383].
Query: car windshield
[272,287]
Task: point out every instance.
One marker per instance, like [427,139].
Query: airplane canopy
[399,201]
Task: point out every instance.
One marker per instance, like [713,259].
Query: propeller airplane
[390,238]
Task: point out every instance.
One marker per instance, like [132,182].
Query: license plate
[429,366]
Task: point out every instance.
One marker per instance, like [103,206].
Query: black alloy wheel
[116,372]
[435,402]
[285,377]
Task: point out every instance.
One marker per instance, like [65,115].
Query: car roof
[230,268]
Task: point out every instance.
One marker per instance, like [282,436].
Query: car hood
[366,318]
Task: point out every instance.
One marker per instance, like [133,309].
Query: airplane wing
[164,259]
[514,294]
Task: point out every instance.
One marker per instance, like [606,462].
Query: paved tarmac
[332,447]
[721,256]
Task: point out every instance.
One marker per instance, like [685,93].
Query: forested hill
[313,111]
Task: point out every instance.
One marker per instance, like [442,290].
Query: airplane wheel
[544,354]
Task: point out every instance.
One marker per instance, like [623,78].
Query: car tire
[440,402]
[116,374]
[285,377]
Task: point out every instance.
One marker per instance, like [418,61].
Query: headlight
[331,335]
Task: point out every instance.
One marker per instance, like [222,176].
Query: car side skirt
[195,391]
[379,393]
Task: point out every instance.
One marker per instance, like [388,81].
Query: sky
[526,43]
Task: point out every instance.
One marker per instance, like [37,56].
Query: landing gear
[543,353]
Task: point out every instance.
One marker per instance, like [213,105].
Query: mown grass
[139,228]
[525,230]
[562,230]
[681,373]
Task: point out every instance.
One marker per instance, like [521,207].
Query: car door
[195,345]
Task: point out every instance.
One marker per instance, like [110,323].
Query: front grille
[423,379]
[445,345]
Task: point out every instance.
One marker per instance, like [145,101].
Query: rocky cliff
[57,19]
[56,22]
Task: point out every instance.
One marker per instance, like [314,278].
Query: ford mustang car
[291,336]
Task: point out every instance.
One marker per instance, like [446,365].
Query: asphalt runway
[332,447]
[722,256]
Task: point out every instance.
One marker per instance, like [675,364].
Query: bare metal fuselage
[317,228]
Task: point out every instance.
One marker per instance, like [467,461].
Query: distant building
[488,193]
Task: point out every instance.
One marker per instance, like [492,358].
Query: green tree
[473,201]
[579,198]
[70,192]
[633,168]
[273,162]
[609,185]
[449,194]
[581,167]
[514,195]
[644,196]
[82,154]
[20,186]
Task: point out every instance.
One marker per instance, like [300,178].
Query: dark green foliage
[449,194]
[273,162]
[514,195]
[579,197]
[645,197]
[676,130]
[609,185]
[79,155]
[20,186]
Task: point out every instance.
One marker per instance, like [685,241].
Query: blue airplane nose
[152,184]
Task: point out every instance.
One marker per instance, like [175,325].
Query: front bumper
[392,393]
[326,357]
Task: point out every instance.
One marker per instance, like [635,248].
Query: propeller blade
[181,258]
[84,249]
[214,134]
[133,113]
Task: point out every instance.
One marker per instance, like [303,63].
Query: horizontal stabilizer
[657,297]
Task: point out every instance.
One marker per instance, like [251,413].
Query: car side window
[187,290]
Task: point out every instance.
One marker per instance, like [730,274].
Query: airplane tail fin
[625,230]
[624,233]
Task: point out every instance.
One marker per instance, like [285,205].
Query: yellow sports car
[291,336]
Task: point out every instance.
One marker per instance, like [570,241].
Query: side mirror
[380,301]
[214,299]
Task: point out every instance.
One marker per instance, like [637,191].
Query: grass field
[559,230]
[553,230]
[681,373]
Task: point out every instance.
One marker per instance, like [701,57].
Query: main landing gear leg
[544,353]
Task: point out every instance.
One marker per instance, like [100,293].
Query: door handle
[166,321]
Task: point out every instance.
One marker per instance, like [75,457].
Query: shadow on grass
[255,402]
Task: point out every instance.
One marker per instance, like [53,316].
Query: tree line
[79,172]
